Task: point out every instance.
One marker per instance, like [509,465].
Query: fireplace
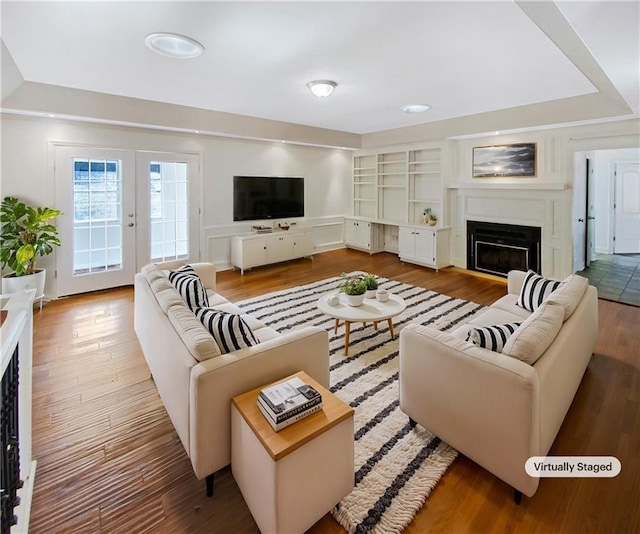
[498,248]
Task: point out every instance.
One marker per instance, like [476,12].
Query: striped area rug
[396,466]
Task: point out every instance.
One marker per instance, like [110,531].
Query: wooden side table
[291,478]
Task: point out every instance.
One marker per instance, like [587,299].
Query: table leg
[335,327]
[375,325]
[390,323]
[347,330]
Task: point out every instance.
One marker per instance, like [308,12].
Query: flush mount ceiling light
[174,45]
[415,108]
[322,88]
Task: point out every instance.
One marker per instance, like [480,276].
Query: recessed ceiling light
[415,108]
[322,88]
[174,45]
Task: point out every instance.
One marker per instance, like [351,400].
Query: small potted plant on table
[354,288]
[372,285]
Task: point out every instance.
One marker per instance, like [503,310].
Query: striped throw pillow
[535,289]
[230,330]
[492,337]
[190,287]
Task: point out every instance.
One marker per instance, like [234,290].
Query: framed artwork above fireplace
[517,159]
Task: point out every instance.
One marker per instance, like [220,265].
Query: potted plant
[429,217]
[26,235]
[372,285]
[354,288]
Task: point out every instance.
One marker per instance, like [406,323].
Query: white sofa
[196,382]
[496,409]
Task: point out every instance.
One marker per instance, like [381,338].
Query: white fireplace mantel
[544,204]
[540,186]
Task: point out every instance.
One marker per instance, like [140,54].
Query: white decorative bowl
[382,295]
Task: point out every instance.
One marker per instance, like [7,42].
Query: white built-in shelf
[403,179]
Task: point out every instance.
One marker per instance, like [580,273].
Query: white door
[627,208]
[168,207]
[95,189]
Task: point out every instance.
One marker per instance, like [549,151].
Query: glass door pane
[169,210]
[97,216]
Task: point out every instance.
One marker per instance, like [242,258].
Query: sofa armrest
[482,403]
[216,381]
[515,279]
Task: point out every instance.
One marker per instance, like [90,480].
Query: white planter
[18,284]
[370,294]
[354,300]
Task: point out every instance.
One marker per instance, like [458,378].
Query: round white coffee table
[371,311]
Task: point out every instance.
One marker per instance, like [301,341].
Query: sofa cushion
[535,290]
[190,287]
[230,330]
[569,294]
[192,333]
[509,303]
[535,334]
[492,337]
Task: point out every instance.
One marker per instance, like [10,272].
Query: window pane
[169,210]
[97,200]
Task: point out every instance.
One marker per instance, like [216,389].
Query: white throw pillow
[535,334]
[492,337]
[569,294]
[230,330]
[190,287]
[535,290]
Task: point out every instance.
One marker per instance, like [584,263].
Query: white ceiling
[462,58]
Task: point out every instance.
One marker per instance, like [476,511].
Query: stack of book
[290,401]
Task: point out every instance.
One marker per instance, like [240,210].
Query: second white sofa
[496,409]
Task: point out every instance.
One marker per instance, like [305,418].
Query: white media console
[255,249]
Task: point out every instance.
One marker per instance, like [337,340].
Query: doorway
[121,210]
[614,204]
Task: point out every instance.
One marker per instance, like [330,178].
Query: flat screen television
[267,197]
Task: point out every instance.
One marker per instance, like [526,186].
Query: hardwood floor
[110,461]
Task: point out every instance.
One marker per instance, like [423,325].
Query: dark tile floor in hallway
[617,277]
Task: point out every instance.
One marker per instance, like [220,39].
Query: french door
[122,209]
[168,186]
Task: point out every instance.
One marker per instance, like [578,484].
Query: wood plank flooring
[110,461]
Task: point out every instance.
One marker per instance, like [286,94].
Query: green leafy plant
[433,217]
[371,281]
[353,285]
[26,235]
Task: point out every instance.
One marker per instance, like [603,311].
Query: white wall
[27,172]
